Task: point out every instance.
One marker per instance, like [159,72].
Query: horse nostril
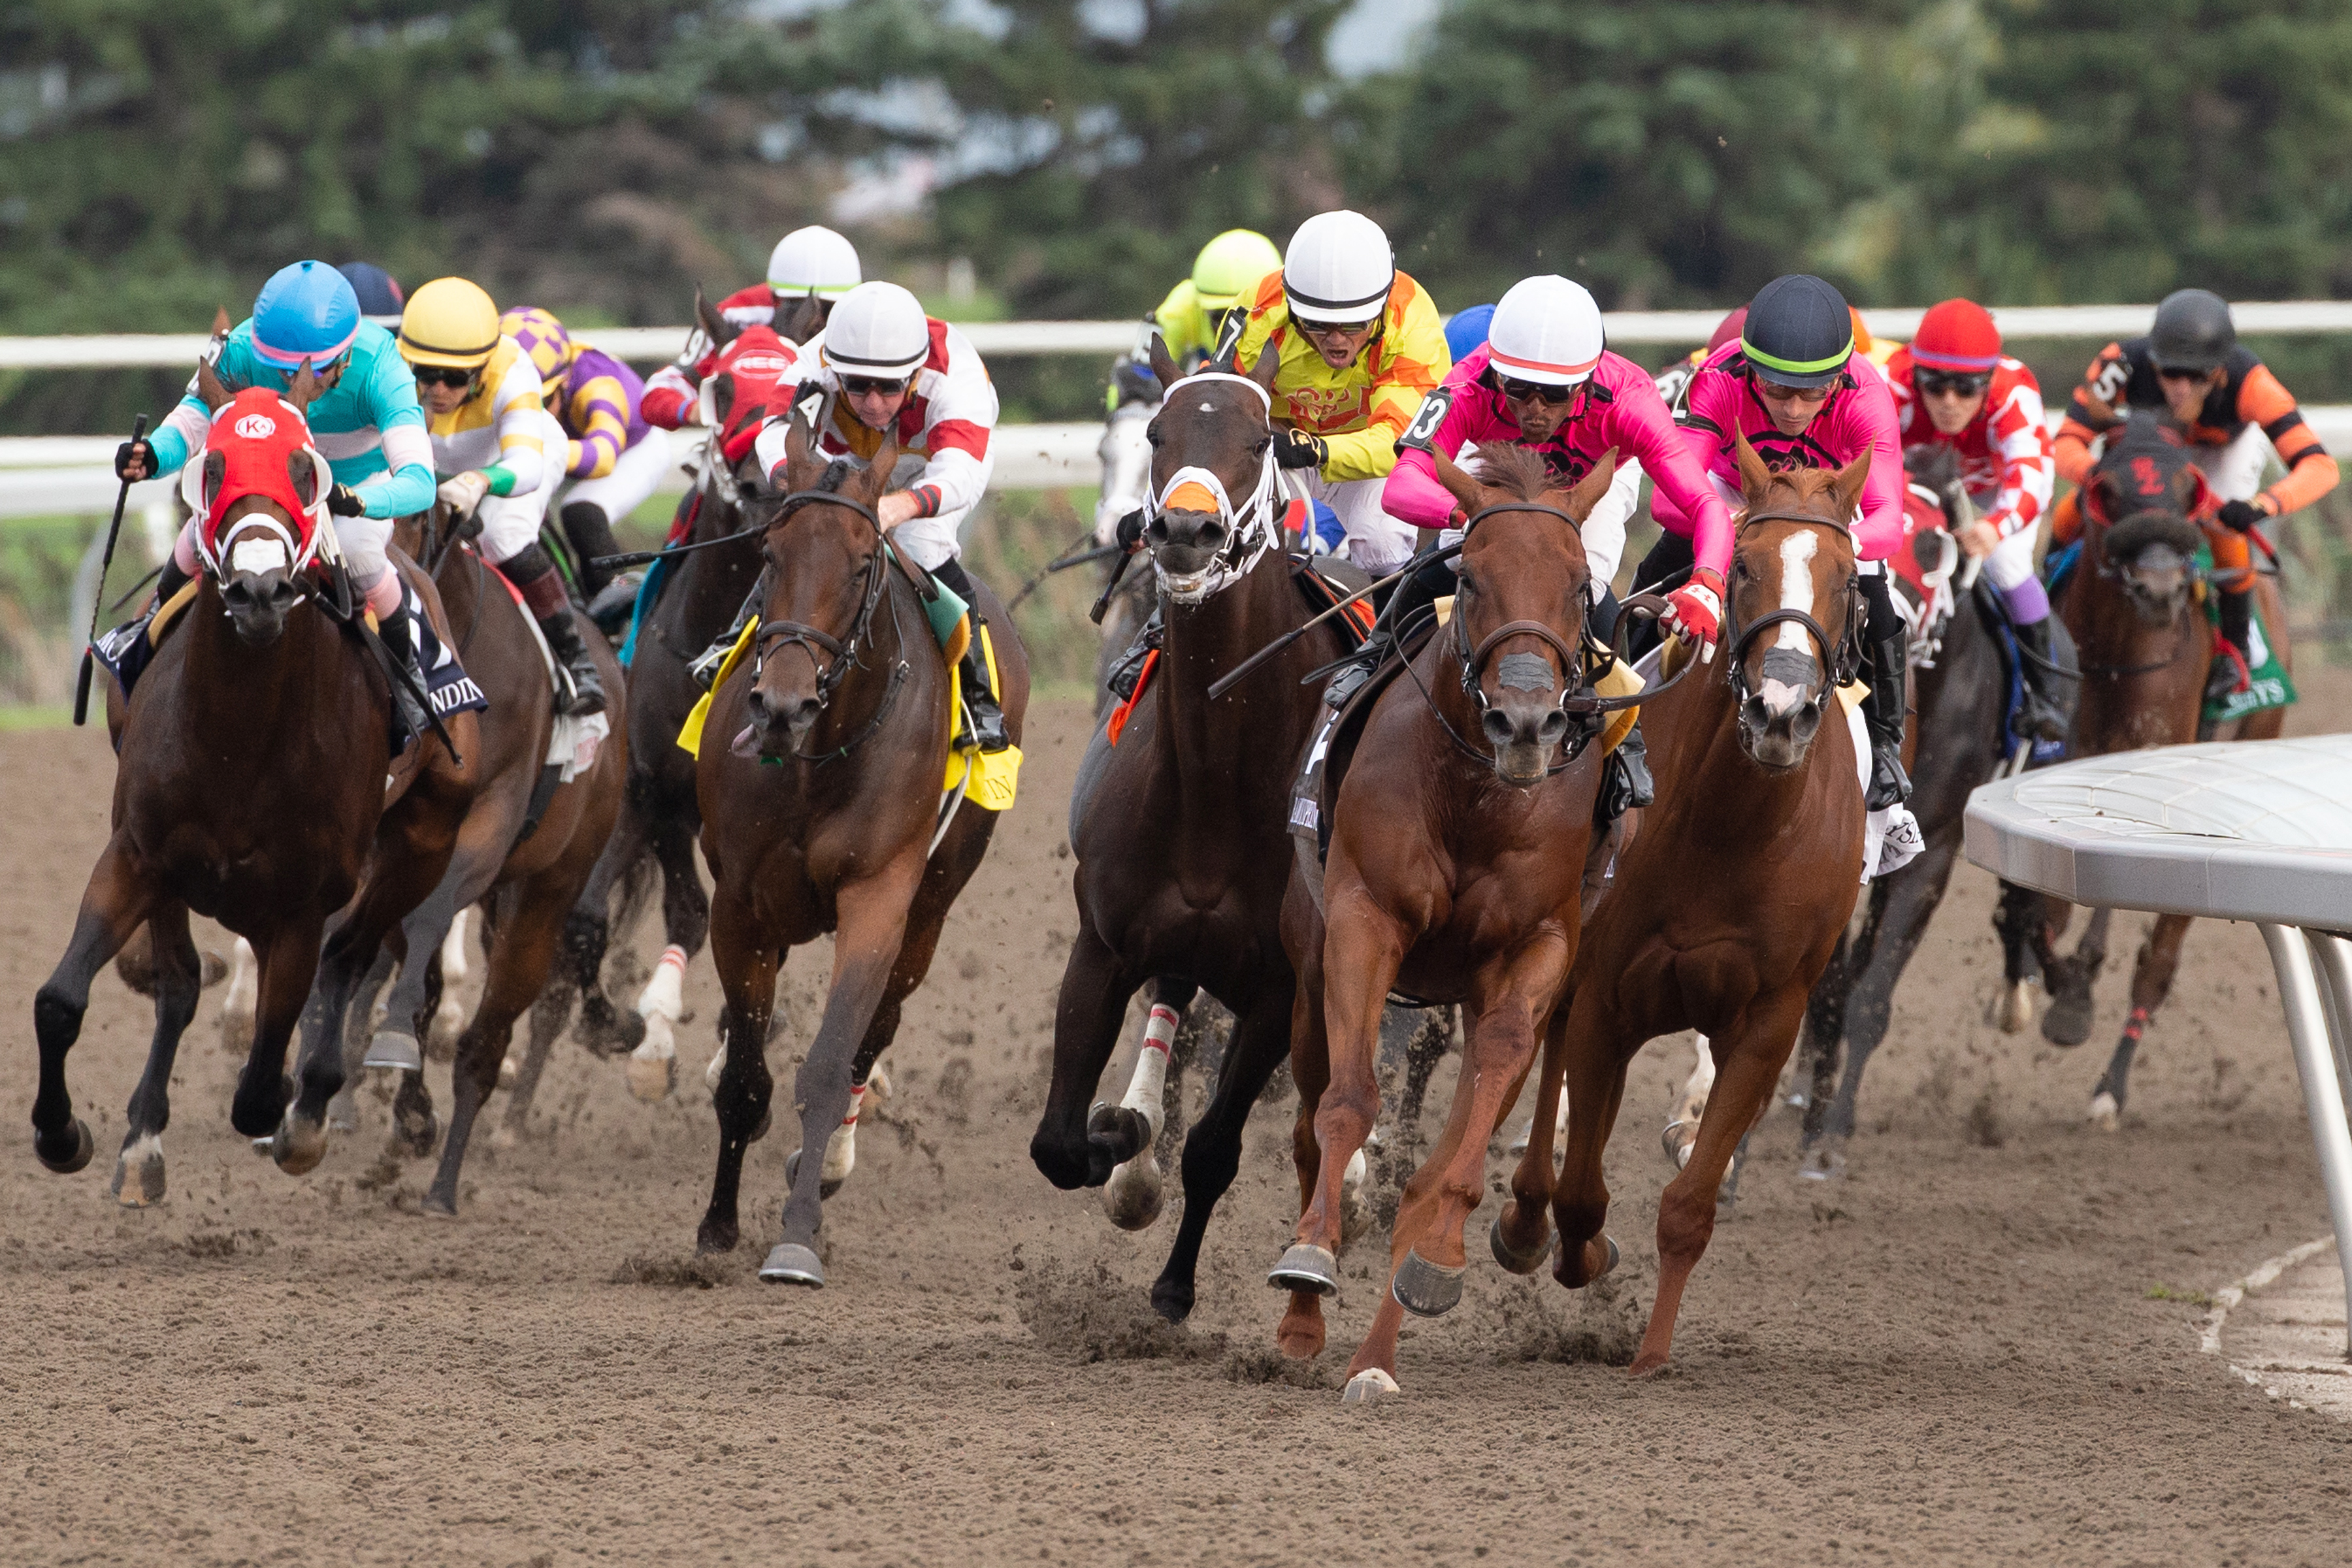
[1213,536]
[1156,531]
[1554,725]
[1498,727]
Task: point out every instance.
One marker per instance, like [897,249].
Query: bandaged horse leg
[1681,1128]
[238,1001]
[1133,1196]
[449,1018]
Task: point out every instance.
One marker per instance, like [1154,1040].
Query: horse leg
[2069,1020]
[1825,1026]
[519,958]
[1521,1232]
[2022,925]
[288,960]
[1690,1107]
[1300,1333]
[2159,959]
[549,1014]
[604,1029]
[359,1029]
[1749,1063]
[1898,924]
[874,922]
[1134,1194]
[747,979]
[1213,1150]
[1073,1146]
[112,907]
[177,976]
[448,1014]
[239,1001]
[686,911]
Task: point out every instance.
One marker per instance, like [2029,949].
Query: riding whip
[97,593]
[1079,554]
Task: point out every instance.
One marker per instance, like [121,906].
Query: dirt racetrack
[1980,1346]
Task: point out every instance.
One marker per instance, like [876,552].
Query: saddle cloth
[572,742]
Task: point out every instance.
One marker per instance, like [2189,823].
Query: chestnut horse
[525,849]
[702,593]
[252,788]
[1456,871]
[1180,830]
[826,818]
[2133,606]
[1727,907]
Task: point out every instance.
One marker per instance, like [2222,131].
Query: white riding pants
[1376,541]
[510,523]
[2234,471]
[635,475]
[2011,561]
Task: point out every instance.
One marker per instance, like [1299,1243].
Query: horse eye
[1151,433]
[1264,442]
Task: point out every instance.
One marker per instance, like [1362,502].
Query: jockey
[890,369]
[380,294]
[1954,388]
[1193,318]
[811,263]
[1796,385]
[2226,402]
[1543,380]
[612,457]
[1358,347]
[365,419]
[492,436]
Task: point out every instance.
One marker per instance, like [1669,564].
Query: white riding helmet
[877,330]
[813,260]
[1338,269]
[1546,329]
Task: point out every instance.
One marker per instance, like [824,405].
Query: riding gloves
[1297,449]
[2243,515]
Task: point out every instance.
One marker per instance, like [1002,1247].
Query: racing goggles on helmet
[867,385]
[1951,383]
[1544,392]
[444,375]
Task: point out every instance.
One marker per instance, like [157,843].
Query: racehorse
[1960,683]
[701,593]
[256,786]
[2132,603]
[1728,905]
[824,814]
[1456,872]
[524,851]
[1177,820]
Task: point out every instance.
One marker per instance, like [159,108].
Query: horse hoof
[1606,1268]
[439,1205]
[393,1049]
[651,1078]
[790,1263]
[1824,1164]
[1426,1289]
[1134,1194]
[2068,1022]
[1172,1299]
[79,1149]
[1368,1386]
[298,1146]
[2016,1007]
[2106,1112]
[826,1185]
[1677,1140]
[1306,1267]
[1517,1262]
[1355,1207]
[510,1069]
[138,1173]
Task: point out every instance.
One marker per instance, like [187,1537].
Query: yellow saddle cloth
[995,777]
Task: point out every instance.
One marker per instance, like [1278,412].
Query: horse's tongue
[745,745]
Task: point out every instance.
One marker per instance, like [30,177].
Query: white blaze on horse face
[1781,697]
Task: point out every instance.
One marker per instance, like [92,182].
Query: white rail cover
[2249,831]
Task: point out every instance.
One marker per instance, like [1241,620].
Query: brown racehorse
[1728,904]
[1456,873]
[528,884]
[830,826]
[658,813]
[2132,605]
[252,789]
[1180,830]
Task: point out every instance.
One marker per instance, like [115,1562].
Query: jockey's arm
[672,395]
[2091,414]
[960,423]
[2018,435]
[599,410]
[1881,531]
[2311,472]
[519,403]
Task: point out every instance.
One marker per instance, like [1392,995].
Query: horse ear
[216,471]
[303,388]
[217,393]
[720,331]
[305,476]
[1754,477]
[805,321]
[1847,486]
[221,323]
[1592,486]
[1268,366]
[878,472]
[722,399]
[1162,366]
[1458,484]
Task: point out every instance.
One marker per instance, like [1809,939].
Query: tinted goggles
[1534,391]
[867,385]
[1952,383]
[442,375]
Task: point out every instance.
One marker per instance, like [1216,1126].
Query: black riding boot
[168,581]
[2038,717]
[1409,603]
[988,731]
[398,635]
[1625,781]
[1128,673]
[704,668]
[591,533]
[2229,675]
[1882,715]
[562,634]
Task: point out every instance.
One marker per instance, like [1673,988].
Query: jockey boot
[562,634]
[1625,781]
[1412,602]
[1128,673]
[1881,716]
[397,631]
[615,604]
[706,666]
[2038,717]
[2233,670]
[168,581]
[591,533]
[988,731]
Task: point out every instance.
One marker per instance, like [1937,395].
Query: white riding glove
[464,492]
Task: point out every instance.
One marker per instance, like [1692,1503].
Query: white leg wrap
[244,993]
[841,1149]
[453,949]
[664,994]
[1147,1090]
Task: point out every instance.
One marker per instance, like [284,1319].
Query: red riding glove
[1695,609]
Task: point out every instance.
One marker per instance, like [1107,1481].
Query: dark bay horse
[658,813]
[826,817]
[1180,830]
[253,789]
[1725,910]
[2132,603]
[1456,873]
[525,848]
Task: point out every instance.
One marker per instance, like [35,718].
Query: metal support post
[2316,1064]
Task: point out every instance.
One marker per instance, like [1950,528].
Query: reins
[840,657]
[2114,572]
[1843,654]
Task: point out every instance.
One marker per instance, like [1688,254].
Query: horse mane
[834,472]
[1518,470]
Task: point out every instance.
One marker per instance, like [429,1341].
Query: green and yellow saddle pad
[2272,686]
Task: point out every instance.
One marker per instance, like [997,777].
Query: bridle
[1586,710]
[1249,528]
[840,656]
[2119,573]
[1843,655]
